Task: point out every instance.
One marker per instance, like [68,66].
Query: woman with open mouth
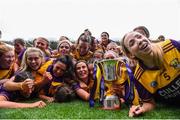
[157,72]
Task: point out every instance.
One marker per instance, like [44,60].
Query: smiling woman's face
[34,60]
[82,70]
[59,69]
[104,38]
[137,44]
[64,48]
[7,59]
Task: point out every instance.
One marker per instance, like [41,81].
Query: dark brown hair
[146,31]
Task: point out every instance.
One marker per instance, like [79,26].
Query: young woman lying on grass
[157,73]
[61,75]
[7,70]
[84,79]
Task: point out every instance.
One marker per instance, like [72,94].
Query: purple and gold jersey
[7,73]
[86,57]
[164,83]
[85,86]
[38,78]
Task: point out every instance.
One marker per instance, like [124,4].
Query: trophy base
[111,108]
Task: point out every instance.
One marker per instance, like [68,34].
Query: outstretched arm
[13,86]
[8,104]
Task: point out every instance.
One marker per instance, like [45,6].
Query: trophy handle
[118,68]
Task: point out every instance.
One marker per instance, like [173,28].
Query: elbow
[86,97]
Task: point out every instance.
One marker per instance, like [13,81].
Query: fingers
[138,111]
[41,104]
[131,114]
[135,111]
[48,75]
[51,100]
[28,83]
[28,86]
[131,111]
